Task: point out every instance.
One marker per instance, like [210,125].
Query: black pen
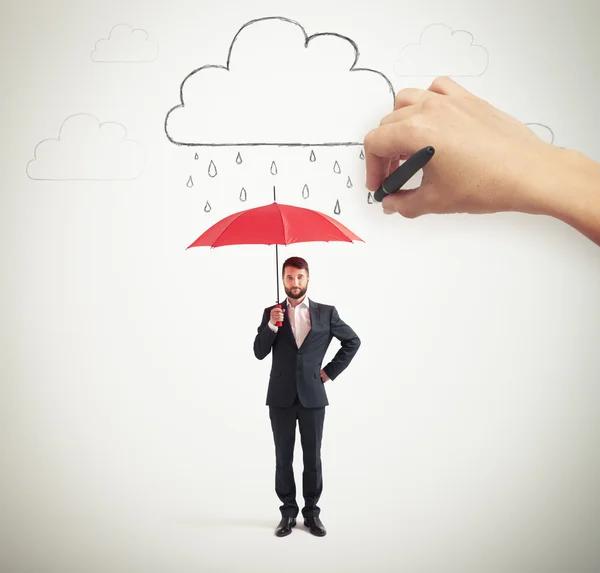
[400,176]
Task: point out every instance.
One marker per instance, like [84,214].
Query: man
[296,387]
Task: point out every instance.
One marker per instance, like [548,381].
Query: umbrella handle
[279,323]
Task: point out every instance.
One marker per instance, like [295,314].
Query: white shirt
[299,318]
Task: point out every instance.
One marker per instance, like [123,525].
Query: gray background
[464,436]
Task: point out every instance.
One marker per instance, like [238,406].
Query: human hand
[485,160]
[276,315]
[324,377]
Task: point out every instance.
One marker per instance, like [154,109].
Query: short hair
[297,263]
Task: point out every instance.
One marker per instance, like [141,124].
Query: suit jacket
[297,370]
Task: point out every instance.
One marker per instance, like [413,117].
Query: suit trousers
[283,424]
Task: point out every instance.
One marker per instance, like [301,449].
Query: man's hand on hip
[324,377]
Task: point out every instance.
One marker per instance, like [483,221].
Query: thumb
[410,203]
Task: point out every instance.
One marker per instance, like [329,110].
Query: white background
[135,438]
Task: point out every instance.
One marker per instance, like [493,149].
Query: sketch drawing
[442,51]
[125,45]
[87,150]
[542,131]
[212,169]
[280,86]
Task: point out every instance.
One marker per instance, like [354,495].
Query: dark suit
[296,392]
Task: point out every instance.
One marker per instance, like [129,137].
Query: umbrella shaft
[277,270]
[276,255]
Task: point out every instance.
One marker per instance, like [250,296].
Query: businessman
[297,387]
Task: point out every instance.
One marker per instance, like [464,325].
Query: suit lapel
[287,326]
[315,315]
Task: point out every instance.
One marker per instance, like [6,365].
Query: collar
[304,302]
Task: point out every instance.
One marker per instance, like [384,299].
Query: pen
[400,176]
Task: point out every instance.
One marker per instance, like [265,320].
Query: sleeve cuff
[273,327]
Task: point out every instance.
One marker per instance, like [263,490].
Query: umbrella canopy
[274,224]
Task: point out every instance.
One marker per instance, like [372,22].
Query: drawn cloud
[443,52]
[87,150]
[542,131]
[281,87]
[125,45]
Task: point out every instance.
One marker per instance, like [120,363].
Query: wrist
[568,189]
[541,186]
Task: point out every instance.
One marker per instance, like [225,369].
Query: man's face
[295,282]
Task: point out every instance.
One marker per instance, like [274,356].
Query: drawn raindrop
[313,156]
[273,168]
[238,159]
[370,198]
[207,207]
[336,167]
[349,183]
[243,195]
[196,156]
[337,209]
[362,154]
[190,182]
[305,192]
[212,169]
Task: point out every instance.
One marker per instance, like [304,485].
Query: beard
[296,293]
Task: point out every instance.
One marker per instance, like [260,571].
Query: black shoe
[285,526]
[315,525]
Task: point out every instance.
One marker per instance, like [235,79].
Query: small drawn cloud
[125,45]
[280,86]
[443,52]
[87,150]
[542,131]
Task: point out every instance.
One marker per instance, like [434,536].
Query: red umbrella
[274,224]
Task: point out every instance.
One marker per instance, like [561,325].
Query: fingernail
[387,211]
